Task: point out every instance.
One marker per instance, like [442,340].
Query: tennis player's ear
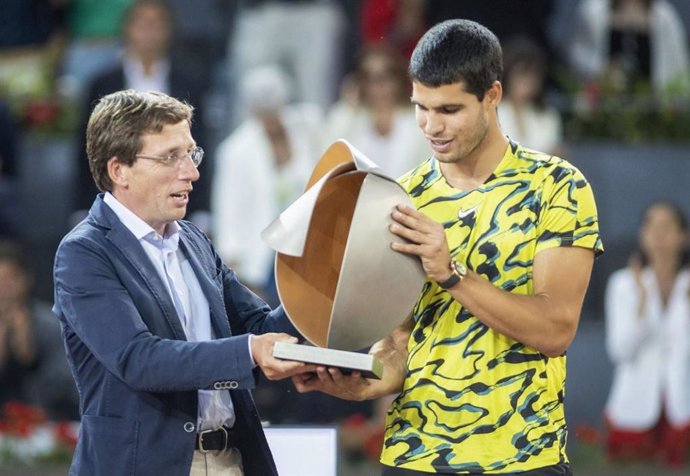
[494,93]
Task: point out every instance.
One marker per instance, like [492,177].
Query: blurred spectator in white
[648,341]
[302,36]
[145,65]
[375,113]
[523,112]
[93,29]
[261,167]
[33,365]
[628,41]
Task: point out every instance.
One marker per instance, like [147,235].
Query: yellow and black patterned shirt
[474,400]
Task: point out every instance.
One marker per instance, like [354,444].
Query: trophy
[341,284]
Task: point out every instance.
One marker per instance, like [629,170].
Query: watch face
[459,268]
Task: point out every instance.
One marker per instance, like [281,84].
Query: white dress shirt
[137,79]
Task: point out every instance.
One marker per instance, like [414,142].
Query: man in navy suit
[163,341]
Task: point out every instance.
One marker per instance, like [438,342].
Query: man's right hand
[276,369]
[392,351]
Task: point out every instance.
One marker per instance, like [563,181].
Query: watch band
[458,271]
[450,282]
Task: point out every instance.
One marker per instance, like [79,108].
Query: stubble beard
[473,145]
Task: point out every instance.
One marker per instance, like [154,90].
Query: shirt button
[189,427]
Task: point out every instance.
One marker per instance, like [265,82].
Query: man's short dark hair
[458,51]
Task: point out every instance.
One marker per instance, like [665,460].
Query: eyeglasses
[175,159]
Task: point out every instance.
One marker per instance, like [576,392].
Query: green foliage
[28,86]
[611,109]
[630,121]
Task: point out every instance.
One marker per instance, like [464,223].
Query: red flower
[65,433]
[20,419]
[41,112]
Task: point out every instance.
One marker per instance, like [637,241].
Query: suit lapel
[132,251]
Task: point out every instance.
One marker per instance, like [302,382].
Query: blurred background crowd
[602,83]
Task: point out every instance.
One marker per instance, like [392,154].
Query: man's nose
[188,170]
[433,125]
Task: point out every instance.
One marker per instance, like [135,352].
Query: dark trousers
[561,469]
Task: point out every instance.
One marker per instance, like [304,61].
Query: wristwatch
[458,271]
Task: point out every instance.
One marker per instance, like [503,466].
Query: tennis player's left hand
[426,239]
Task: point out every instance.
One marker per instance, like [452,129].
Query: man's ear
[495,93]
[118,172]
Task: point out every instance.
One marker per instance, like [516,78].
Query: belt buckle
[201,439]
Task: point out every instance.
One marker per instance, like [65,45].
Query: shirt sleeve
[569,212]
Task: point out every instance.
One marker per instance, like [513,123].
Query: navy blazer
[136,374]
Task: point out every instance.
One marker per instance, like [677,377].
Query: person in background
[93,46]
[375,114]
[524,114]
[33,366]
[18,355]
[507,238]
[305,37]
[144,66]
[631,43]
[164,341]
[261,168]
[201,32]
[648,340]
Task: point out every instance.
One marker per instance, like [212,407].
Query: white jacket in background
[399,152]
[542,129]
[247,192]
[650,354]
[589,48]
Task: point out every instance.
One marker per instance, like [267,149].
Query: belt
[216,440]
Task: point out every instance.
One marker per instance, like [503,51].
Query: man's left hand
[426,239]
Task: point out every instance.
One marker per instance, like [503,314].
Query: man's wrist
[457,272]
[249,345]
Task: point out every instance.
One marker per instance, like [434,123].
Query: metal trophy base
[347,362]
